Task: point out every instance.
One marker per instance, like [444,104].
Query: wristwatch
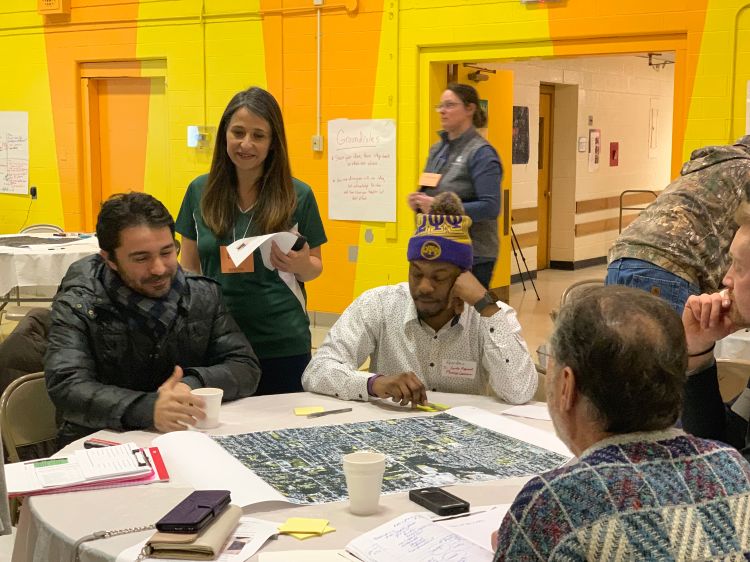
[484,302]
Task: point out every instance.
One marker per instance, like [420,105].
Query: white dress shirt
[463,356]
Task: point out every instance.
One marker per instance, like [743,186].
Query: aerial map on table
[304,464]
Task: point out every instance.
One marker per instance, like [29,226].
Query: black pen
[318,414]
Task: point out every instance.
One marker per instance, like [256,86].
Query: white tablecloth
[734,346]
[49,525]
[42,264]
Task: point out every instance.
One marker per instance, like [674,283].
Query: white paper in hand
[240,250]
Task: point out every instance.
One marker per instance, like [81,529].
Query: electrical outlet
[317,143]
[32,191]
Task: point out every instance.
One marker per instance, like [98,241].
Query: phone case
[299,243]
[439,501]
[194,512]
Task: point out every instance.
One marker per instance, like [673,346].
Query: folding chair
[27,415]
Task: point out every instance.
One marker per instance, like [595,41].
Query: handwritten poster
[14,152]
[362,169]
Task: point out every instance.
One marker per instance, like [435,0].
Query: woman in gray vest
[465,163]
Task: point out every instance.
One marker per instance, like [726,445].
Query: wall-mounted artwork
[520,134]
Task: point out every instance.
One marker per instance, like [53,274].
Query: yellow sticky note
[303,536]
[304,525]
[432,407]
[425,408]
[305,410]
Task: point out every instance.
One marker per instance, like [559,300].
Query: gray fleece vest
[451,159]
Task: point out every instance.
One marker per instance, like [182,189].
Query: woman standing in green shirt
[249,192]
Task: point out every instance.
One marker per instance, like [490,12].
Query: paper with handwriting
[416,538]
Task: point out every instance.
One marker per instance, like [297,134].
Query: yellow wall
[376,61]
[26,88]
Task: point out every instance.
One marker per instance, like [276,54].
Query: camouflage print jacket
[689,228]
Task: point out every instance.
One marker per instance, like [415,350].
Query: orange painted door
[497,90]
[118,125]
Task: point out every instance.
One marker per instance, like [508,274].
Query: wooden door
[544,185]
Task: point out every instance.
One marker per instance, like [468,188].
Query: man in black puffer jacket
[132,333]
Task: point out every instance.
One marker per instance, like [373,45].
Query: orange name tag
[428,179]
[227,265]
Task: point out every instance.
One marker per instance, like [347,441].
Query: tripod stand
[515,245]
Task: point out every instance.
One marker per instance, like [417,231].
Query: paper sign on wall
[14,152]
[362,169]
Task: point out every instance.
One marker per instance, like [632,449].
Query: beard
[735,315]
[429,309]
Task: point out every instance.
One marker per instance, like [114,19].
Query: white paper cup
[364,479]
[212,399]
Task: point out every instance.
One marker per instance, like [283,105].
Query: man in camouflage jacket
[679,245]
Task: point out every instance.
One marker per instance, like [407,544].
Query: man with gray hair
[641,489]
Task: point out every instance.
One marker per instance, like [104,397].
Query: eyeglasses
[446,105]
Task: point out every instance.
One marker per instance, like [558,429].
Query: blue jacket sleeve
[486,173]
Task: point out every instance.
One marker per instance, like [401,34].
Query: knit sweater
[644,496]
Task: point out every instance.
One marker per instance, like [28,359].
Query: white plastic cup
[364,479]
[212,399]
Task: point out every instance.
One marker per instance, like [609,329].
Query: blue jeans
[652,278]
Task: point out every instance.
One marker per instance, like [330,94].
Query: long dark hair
[276,198]
[467,94]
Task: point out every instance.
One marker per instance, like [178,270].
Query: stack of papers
[86,469]
[303,528]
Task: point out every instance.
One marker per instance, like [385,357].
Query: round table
[43,264]
[49,525]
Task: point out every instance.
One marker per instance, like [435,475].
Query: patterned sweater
[644,496]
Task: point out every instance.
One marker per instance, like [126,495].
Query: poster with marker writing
[14,152]
[362,170]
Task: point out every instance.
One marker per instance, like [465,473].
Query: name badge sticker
[456,368]
[227,265]
[428,179]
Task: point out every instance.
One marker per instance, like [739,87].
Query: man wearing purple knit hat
[421,336]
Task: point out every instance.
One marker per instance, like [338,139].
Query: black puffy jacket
[100,374]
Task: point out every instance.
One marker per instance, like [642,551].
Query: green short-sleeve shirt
[262,304]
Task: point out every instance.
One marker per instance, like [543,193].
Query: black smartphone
[194,512]
[300,243]
[439,501]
